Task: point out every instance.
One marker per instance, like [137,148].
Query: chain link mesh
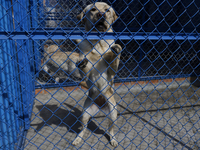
[156,87]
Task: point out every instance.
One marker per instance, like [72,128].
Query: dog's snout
[101,14]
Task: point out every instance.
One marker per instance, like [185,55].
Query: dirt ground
[162,116]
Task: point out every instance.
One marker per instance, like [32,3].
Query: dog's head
[98,17]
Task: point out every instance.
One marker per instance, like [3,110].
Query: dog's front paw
[116,48]
[114,142]
[82,64]
[76,141]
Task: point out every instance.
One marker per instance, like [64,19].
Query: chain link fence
[156,87]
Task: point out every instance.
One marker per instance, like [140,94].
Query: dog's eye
[93,9]
[107,10]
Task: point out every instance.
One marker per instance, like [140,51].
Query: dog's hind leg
[112,111]
[90,109]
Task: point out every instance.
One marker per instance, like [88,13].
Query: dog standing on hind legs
[98,62]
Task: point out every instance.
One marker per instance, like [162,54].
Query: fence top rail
[47,34]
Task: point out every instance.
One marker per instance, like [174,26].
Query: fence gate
[156,87]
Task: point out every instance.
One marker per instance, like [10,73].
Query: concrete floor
[162,116]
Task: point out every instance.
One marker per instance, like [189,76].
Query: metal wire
[158,104]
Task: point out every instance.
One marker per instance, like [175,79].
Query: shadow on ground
[52,114]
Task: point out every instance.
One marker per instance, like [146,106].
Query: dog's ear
[81,16]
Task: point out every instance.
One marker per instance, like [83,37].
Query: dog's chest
[100,48]
[95,48]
